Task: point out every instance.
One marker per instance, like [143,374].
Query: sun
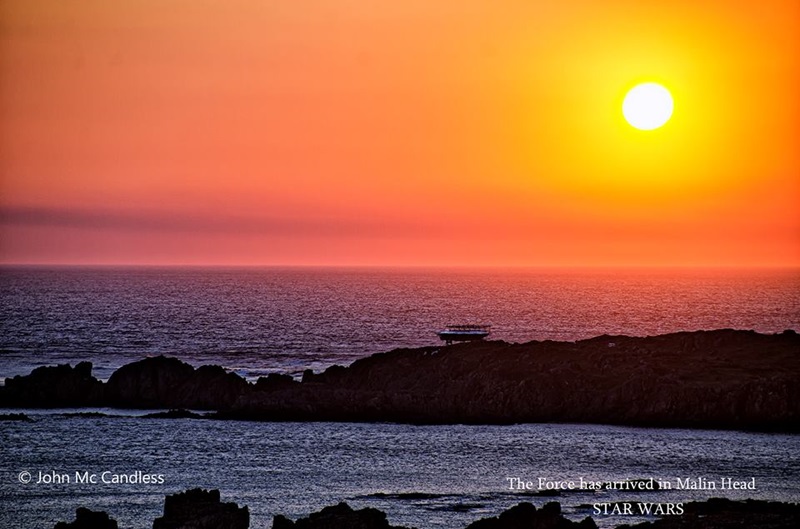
[647,106]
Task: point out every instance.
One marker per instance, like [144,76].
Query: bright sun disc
[647,106]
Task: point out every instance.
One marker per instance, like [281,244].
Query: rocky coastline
[203,509]
[725,379]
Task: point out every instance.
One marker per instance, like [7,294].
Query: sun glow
[647,106]
[400,133]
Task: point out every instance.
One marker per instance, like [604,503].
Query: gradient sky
[409,133]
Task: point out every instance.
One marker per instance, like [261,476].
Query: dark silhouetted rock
[274,381]
[162,382]
[526,516]
[719,513]
[201,509]
[340,516]
[52,387]
[14,417]
[174,414]
[86,519]
[704,379]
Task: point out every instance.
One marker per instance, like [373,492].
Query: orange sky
[415,132]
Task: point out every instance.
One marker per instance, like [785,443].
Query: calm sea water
[256,321]
[260,320]
[423,476]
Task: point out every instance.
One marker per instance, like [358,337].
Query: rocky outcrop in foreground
[87,519]
[193,509]
[704,379]
[201,509]
[341,515]
[523,516]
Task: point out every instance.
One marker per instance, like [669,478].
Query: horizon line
[406,266]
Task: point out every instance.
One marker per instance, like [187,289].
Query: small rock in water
[14,417]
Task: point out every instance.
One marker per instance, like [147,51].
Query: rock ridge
[202,509]
[728,379]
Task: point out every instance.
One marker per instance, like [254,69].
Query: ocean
[421,476]
[260,320]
